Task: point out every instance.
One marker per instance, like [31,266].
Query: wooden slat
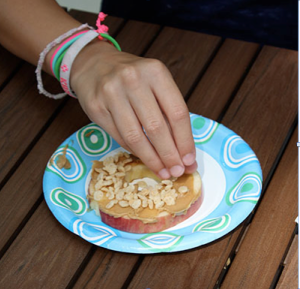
[106,270]
[259,124]
[136,36]
[8,64]
[267,100]
[215,89]
[23,189]
[269,234]
[23,112]
[289,277]
[24,192]
[185,53]
[45,255]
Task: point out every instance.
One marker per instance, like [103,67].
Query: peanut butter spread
[118,188]
[62,161]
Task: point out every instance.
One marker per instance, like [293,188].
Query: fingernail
[189,159]
[177,171]
[164,174]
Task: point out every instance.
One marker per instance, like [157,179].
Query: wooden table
[249,88]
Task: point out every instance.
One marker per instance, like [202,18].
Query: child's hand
[123,94]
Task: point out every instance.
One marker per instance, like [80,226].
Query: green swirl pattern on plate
[203,128]
[93,140]
[214,225]
[247,189]
[69,201]
[160,241]
[77,168]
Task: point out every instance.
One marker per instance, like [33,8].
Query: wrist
[86,58]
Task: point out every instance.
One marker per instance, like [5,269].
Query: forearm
[26,27]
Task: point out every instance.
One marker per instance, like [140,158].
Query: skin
[120,92]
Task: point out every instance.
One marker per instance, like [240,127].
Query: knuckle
[108,87]
[133,137]
[180,113]
[153,126]
[156,65]
[169,155]
[130,75]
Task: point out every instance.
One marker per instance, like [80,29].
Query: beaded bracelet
[43,54]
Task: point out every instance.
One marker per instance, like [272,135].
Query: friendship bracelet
[62,47]
[58,64]
[67,62]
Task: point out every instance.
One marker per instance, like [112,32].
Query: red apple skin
[138,227]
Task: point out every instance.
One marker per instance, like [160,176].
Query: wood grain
[269,233]
[249,116]
[289,277]
[136,36]
[216,88]
[107,270]
[23,112]
[24,188]
[45,254]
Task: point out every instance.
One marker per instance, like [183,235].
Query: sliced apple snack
[130,197]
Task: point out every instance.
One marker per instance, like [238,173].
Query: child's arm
[119,91]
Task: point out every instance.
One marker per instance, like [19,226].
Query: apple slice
[164,220]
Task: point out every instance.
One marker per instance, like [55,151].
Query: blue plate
[231,178]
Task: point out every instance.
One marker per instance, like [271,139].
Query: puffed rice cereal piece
[111,204]
[183,189]
[135,204]
[98,195]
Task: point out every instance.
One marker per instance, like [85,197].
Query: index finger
[176,111]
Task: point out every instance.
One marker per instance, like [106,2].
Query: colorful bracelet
[43,54]
[67,62]
[58,64]
[64,55]
[62,47]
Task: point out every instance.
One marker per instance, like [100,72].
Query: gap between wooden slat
[11,76]
[81,267]
[239,84]
[203,71]
[133,271]
[282,265]
[32,144]
[14,168]
[248,221]
[152,41]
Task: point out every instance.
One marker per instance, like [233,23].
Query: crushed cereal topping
[111,183]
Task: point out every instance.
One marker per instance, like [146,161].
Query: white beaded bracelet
[67,62]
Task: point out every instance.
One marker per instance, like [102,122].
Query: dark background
[267,22]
